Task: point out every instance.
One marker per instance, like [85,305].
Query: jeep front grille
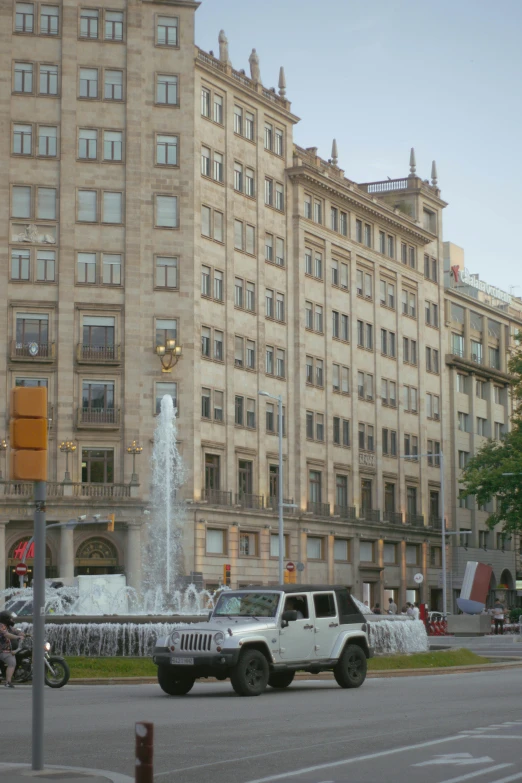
[197,641]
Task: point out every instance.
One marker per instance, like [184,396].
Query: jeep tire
[281,680]
[173,683]
[350,670]
[249,677]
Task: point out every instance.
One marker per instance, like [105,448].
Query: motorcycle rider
[6,653]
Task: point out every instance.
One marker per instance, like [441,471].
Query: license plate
[182,661]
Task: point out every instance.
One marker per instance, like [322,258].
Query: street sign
[300,566]
[21,569]
[418,579]
[290,566]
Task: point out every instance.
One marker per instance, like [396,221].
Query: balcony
[102,490]
[32,352]
[435,523]
[98,418]
[394,517]
[346,513]
[318,509]
[272,504]
[217,497]
[370,514]
[55,489]
[98,354]
[417,520]
[256,502]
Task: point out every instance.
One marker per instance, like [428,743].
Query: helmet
[7,618]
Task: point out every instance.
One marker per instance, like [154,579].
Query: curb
[476,667]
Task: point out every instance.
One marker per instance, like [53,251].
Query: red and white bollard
[144,752]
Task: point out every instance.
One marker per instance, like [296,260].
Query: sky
[382,76]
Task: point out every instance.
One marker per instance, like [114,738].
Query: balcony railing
[99,417]
[477,358]
[102,490]
[458,352]
[98,354]
[417,520]
[386,186]
[370,514]
[318,509]
[435,523]
[32,351]
[394,517]
[250,501]
[272,504]
[217,497]
[345,512]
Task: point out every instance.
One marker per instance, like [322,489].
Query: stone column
[3,555]
[331,559]
[66,567]
[133,560]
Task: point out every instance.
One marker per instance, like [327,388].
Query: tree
[485,474]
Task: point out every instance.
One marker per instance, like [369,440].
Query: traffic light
[28,434]
[227,570]
[289,577]
[110,524]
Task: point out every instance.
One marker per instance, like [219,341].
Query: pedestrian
[367,604]
[498,616]
[416,611]
[392,606]
[409,609]
[404,610]
[377,609]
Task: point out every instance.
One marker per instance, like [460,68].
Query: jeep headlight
[175,637]
[219,637]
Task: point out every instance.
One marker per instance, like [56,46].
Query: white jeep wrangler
[261,636]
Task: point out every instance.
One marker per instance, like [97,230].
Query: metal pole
[40,488]
[443,533]
[280,492]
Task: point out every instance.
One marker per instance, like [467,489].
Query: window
[318,318]
[218,345]
[388,343]
[411,446]
[113,89]
[215,541]
[457,313]
[269,303]
[483,539]
[166,329]
[22,139]
[382,242]
[432,314]
[23,77]
[98,402]
[48,80]
[20,264]
[365,386]
[47,145]
[205,102]
[387,294]
[88,206]
[457,344]
[244,237]
[46,203]
[432,360]
[314,548]
[280,363]
[112,207]
[274,544]
[366,551]
[97,466]
[249,125]
[278,142]
[364,335]
[166,31]
[88,82]
[280,307]
[390,550]
[314,486]
[112,264]
[113,25]
[463,459]
[98,337]
[218,109]
[166,211]
[241,358]
[434,453]
[358,230]
[494,358]
[318,211]
[462,421]
[45,266]
[432,406]
[341,490]
[308,207]
[250,189]
[87,144]
[389,446]
[409,350]
[280,251]
[238,120]
[86,267]
[248,544]
[343,224]
[308,262]
[341,431]
[411,399]
[166,89]
[367,235]
[461,383]
[21,201]
[269,363]
[480,389]
[364,284]
[391,246]
[497,395]
[218,170]
[334,218]
[409,304]
[389,392]
[269,135]
[205,341]
[89,18]
[269,191]
[318,266]
[429,221]
[24,22]
[481,426]
[341,550]
[309,315]
[412,550]
[366,437]
[430,268]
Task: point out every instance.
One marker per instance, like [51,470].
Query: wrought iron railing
[370,514]
[250,501]
[217,497]
[96,490]
[394,517]
[99,416]
[345,512]
[32,351]
[415,519]
[319,509]
[98,354]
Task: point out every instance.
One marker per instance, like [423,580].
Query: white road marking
[457,759]
[367,757]
[492,736]
[477,774]
[508,779]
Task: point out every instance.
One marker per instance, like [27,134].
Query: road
[429,729]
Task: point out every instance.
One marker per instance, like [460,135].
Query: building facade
[152,192]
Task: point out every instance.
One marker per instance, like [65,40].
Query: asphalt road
[430,729]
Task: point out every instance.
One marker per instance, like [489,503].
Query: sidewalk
[22,773]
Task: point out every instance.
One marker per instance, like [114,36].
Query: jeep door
[326,623]
[296,641]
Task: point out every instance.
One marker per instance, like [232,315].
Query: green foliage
[427,660]
[484,476]
[514,614]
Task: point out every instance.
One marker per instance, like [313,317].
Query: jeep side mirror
[289,616]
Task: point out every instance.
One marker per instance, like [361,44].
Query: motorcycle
[57,670]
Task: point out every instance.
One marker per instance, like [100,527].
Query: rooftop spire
[223,48]
[434,173]
[282,82]
[335,155]
[413,165]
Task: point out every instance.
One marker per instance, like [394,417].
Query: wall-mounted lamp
[169,354]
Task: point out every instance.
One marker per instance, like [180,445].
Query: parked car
[262,636]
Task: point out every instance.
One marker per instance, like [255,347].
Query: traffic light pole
[40,489]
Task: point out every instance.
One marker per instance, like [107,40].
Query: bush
[514,614]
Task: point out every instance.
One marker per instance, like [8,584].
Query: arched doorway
[16,555]
[505,591]
[96,556]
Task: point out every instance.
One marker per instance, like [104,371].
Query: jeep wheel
[350,670]
[173,683]
[250,675]
[281,679]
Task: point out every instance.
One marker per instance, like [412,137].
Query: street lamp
[68,447]
[3,449]
[134,449]
[169,354]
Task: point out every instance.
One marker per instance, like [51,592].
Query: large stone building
[151,192]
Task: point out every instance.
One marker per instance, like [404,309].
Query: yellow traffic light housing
[110,524]
[28,433]
[227,572]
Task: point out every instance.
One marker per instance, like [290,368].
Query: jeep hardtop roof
[292,588]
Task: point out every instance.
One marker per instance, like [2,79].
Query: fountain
[77,622]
